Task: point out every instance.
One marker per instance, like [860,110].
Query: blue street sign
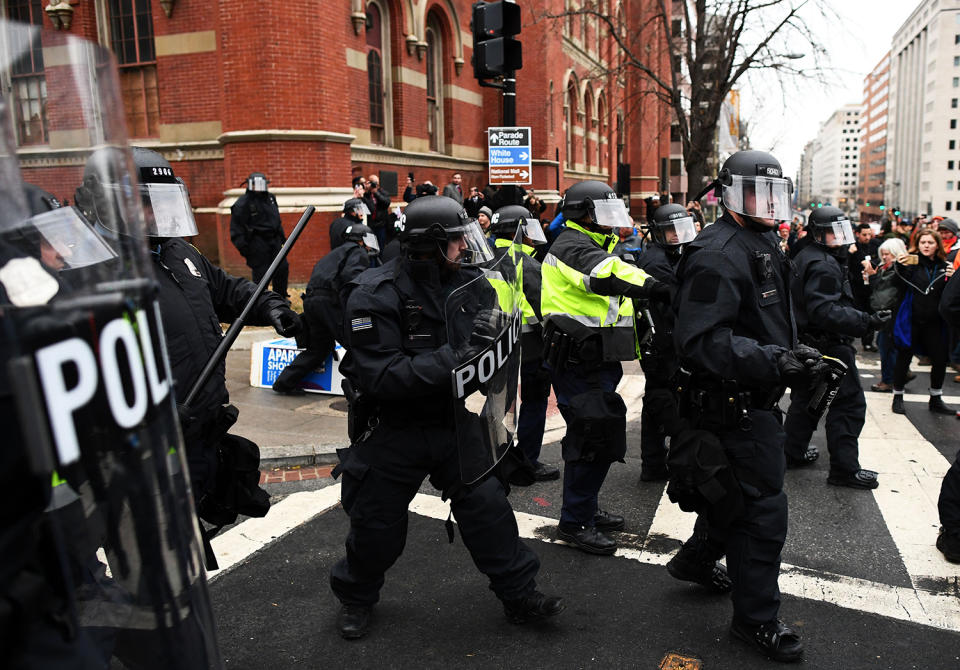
[509,155]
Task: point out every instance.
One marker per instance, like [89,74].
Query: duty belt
[727,405]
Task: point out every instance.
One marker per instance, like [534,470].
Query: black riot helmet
[163,196]
[830,227]
[504,222]
[431,223]
[751,183]
[358,232]
[671,226]
[257,182]
[356,209]
[596,202]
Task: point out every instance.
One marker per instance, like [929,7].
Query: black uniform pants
[754,540]
[381,476]
[653,446]
[844,418]
[534,397]
[279,279]
[949,502]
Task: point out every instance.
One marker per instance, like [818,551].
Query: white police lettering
[496,217]
[70,373]
[481,368]
[402,222]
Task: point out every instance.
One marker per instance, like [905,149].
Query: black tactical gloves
[797,367]
[879,319]
[285,321]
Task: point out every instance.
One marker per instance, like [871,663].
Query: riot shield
[101,564]
[484,321]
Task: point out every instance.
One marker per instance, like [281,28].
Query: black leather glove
[879,319]
[799,367]
[485,329]
[660,291]
[285,321]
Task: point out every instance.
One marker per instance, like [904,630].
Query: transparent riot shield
[101,563]
[484,321]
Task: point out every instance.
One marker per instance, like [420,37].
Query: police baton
[234,330]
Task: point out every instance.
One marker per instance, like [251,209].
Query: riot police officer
[669,230]
[405,414]
[195,296]
[354,211]
[92,457]
[586,302]
[735,334]
[534,377]
[322,313]
[257,231]
[828,320]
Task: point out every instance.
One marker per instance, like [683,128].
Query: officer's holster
[597,430]
[567,342]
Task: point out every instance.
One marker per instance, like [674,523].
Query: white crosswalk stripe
[911,470]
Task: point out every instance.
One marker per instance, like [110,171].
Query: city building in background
[871,202]
[836,158]
[922,157]
[379,87]
[805,177]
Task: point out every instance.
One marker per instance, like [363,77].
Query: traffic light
[867,204]
[882,207]
[495,51]
[896,211]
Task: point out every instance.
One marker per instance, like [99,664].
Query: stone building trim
[293,199]
[277,135]
[178,44]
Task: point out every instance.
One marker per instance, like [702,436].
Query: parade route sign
[509,156]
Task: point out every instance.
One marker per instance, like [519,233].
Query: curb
[286,456]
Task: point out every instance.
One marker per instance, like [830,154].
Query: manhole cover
[339,405]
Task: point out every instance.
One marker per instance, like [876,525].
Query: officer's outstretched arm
[230,294]
[708,306]
[374,331]
[822,295]
[599,272]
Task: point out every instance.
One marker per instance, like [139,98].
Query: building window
[949,185]
[131,32]
[956,61]
[953,101]
[947,205]
[434,57]
[375,92]
[601,132]
[588,127]
[952,144]
[953,124]
[956,39]
[569,117]
[949,165]
[28,80]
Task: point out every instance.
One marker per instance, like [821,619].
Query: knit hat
[486,210]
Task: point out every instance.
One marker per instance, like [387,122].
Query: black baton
[234,330]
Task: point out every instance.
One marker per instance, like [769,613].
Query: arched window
[434,58]
[589,129]
[375,74]
[569,119]
[601,132]
[378,58]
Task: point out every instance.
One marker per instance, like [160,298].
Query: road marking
[245,539]
[913,397]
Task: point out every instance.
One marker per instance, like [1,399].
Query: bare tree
[706,48]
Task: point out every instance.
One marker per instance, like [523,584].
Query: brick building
[873,143]
[373,86]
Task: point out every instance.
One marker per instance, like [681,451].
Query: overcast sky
[855,46]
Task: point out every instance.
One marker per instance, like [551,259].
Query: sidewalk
[290,430]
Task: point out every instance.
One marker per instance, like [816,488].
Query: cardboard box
[270,357]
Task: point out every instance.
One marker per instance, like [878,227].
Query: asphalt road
[861,578]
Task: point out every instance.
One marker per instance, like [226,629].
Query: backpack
[885,294]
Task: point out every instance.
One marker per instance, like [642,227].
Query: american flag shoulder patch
[361,323]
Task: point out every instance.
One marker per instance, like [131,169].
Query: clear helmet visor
[533,231]
[67,242]
[467,245]
[837,234]
[675,231]
[257,184]
[611,213]
[167,210]
[362,210]
[758,197]
[370,240]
